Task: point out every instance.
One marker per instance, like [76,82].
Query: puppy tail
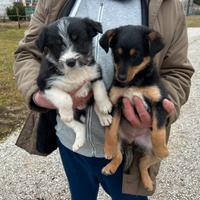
[128,155]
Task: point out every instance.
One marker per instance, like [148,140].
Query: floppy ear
[107,38]
[94,27]
[41,41]
[156,43]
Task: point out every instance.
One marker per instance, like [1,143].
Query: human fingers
[169,106]
[40,100]
[130,114]
[143,114]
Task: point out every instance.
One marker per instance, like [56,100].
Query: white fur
[71,80]
[63,103]
[84,90]
[103,106]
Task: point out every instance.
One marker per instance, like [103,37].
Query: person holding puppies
[83,168]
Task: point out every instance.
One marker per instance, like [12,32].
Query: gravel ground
[25,177]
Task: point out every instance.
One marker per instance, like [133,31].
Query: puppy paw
[105,106]
[80,137]
[161,152]
[105,119]
[109,169]
[148,185]
[77,145]
[66,115]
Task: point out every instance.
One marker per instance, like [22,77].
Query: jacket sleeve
[27,57]
[176,70]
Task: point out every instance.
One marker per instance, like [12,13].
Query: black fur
[147,43]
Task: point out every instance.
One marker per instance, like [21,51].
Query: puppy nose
[122,77]
[71,62]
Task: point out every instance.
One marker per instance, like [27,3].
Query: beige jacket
[165,16]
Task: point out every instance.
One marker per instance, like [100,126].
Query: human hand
[40,99]
[142,118]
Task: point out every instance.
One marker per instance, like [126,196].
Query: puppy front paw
[83,92]
[105,106]
[66,115]
[105,119]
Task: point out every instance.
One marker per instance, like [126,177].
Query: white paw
[105,106]
[105,119]
[80,137]
[66,115]
[83,92]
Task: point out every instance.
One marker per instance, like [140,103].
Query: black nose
[71,62]
[122,77]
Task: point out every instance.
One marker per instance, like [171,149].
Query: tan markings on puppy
[120,51]
[110,34]
[111,137]
[144,164]
[132,52]
[151,92]
[132,71]
[116,67]
[116,93]
[153,35]
[158,138]
[112,167]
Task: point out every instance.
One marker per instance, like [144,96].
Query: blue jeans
[84,176]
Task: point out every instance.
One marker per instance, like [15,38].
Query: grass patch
[12,108]
[193,21]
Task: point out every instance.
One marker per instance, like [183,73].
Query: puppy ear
[107,39]
[94,27]
[156,43]
[41,40]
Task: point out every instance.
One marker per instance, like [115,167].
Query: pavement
[26,177]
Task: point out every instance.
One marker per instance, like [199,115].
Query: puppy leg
[145,162]
[112,167]
[80,132]
[62,101]
[111,146]
[103,104]
[105,119]
[158,135]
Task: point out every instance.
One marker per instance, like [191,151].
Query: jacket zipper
[99,19]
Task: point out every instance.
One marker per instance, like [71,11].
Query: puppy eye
[74,37]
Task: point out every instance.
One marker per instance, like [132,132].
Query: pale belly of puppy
[141,137]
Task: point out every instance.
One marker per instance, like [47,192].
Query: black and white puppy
[68,64]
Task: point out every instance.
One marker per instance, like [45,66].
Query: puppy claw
[108,170]
[76,147]
[105,120]
[149,186]
[105,107]
[80,137]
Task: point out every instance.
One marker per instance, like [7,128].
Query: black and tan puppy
[133,49]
